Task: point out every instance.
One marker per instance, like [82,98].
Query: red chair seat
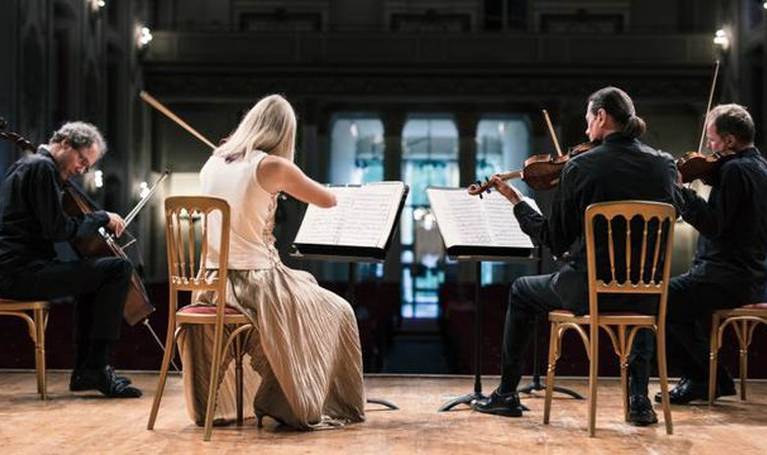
[206,309]
[760,306]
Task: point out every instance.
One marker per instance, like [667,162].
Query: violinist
[32,219]
[620,168]
[728,270]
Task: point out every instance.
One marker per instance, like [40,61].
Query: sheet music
[466,220]
[363,217]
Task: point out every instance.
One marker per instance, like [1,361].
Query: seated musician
[305,351]
[621,168]
[32,218]
[729,266]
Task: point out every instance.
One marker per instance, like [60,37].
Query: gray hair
[733,119]
[79,135]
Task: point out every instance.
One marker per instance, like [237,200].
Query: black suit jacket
[621,168]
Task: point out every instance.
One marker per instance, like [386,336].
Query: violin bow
[132,214]
[551,131]
[708,108]
[152,101]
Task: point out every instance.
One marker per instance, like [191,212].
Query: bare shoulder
[272,163]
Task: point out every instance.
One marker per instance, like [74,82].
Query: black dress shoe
[641,412]
[688,390]
[74,380]
[504,405]
[105,381]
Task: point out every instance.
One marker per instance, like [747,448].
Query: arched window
[356,157]
[429,158]
[356,149]
[503,144]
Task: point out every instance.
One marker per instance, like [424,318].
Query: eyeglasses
[83,160]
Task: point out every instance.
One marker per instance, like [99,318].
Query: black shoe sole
[640,423]
[505,412]
[659,399]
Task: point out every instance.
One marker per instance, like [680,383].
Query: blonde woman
[305,350]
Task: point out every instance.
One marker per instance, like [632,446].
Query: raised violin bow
[551,131]
[708,108]
[152,101]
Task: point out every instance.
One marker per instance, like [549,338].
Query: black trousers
[99,286]
[691,303]
[534,296]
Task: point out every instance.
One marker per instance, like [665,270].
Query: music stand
[477,393]
[536,384]
[352,261]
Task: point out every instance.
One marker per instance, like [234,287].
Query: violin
[540,172]
[695,165]
[76,203]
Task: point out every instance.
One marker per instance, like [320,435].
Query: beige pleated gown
[304,354]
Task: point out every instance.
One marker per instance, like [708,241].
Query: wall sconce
[98,178]
[96,5]
[143,36]
[721,39]
[764,5]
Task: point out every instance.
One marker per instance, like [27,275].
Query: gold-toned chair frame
[627,324]
[37,322]
[743,321]
[186,275]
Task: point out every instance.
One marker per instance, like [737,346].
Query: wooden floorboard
[69,423]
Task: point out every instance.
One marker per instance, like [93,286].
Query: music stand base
[385,403]
[537,385]
[465,399]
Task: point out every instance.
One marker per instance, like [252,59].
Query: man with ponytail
[620,168]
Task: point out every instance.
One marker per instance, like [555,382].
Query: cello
[76,203]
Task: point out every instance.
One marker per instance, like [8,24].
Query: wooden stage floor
[87,424]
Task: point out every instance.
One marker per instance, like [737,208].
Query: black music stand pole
[351,295]
[477,394]
[537,384]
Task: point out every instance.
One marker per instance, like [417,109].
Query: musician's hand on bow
[116,224]
[511,193]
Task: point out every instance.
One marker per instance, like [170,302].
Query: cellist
[32,218]
[620,168]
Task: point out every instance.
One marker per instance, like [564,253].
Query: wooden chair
[36,323]
[743,320]
[650,280]
[188,272]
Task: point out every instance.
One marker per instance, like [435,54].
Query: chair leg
[40,371]
[170,351]
[238,378]
[550,372]
[743,358]
[624,388]
[593,372]
[660,339]
[712,359]
[214,373]
[624,363]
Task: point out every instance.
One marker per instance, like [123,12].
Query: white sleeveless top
[251,242]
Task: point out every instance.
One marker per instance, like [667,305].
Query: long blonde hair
[270,126]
